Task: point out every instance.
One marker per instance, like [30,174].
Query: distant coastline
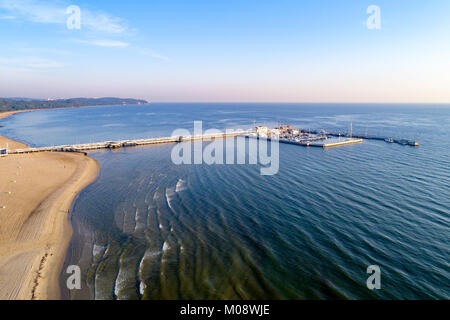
[23,104]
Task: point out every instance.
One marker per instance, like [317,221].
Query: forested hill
[16,104]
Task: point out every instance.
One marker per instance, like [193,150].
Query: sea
[148,228]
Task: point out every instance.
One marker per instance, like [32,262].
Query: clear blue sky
[212,50]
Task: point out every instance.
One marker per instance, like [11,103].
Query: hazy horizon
[243,102]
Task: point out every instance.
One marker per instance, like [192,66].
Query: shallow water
[148,229]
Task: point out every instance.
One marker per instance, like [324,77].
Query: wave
[148,255]
[96,250]
[120,283]
[181,186]
[170,192]
[146,261]
[142,287]
[140,221]
[165,247]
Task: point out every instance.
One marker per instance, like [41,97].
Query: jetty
[289,135]
[127,143]
[341,143]
[314,142]
[282,134]
[321,139]
[404,142]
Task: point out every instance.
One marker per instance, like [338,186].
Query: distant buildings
[3,152]
[281,131]
[262,131]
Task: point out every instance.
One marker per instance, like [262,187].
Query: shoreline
[6,114]
[37,192]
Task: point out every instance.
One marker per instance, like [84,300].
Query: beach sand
[10,113]
[11,144]
[36,194]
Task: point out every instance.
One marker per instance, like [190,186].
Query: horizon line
[228,102]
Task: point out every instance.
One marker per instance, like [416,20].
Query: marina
[404,142]
[321,139]
[314,142]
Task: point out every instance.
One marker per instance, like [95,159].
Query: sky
[227,51]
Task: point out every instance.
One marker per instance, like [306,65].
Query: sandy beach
[36,194]
[10,113]
[11,144]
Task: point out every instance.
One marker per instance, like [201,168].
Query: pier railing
[127,143]
[309,142]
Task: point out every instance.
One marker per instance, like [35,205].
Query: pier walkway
[404,142]
[127,143]
[307,142]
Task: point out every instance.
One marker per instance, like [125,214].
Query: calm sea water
[148,229]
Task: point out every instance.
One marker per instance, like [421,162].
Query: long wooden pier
[127,143]
[308,142]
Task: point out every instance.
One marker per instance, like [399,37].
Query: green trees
[23,104]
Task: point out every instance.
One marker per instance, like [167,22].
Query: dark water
[153,230]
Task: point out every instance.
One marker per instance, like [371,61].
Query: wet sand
[11,144]
[36,194]
[10,113]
